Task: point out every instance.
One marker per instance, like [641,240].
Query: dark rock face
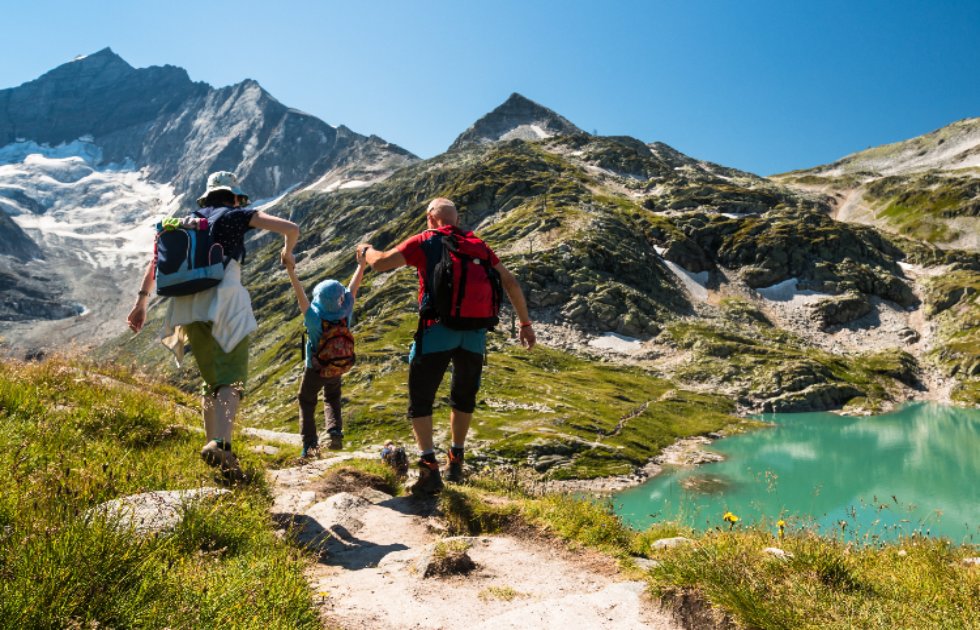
[818,397]
[14,242]
[182,130]
[29,293]
[516,118]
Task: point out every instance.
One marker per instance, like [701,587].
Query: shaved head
[442,211]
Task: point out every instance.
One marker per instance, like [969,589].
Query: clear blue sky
[764,86]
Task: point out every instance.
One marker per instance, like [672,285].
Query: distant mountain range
[180,130]
[95,151]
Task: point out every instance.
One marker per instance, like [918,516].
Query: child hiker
[329,354]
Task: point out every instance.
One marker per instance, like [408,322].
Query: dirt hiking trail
[375,550]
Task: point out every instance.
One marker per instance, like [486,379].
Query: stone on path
[646,564]
[447,557]
[153,512]
[265,449]
[294,439]
[776,552]
[971,562]
[666,543]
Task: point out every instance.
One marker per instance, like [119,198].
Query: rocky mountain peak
[516,118]
[100,69]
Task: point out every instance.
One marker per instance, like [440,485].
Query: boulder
[153,512]
[776,552]
[841,309]
[666,543]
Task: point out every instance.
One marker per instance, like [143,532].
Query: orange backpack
[335,352]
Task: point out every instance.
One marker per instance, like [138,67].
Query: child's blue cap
[331,300]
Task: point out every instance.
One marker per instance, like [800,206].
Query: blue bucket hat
[331,301]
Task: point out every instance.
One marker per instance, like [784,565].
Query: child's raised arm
[304,302]
[355,281]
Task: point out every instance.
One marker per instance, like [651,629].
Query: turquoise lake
[914,470]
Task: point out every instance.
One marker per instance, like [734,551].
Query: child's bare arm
[304,302]
[355,281]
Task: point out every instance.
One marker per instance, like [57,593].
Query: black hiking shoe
[224,460]
[454,472]
[336,440]
[430,481]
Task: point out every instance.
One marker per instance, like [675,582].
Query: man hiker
[459,295]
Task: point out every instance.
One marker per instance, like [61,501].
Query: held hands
[287,259]
[360,254]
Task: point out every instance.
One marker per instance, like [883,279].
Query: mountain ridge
[926,187]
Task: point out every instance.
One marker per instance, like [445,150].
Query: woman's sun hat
[222,180]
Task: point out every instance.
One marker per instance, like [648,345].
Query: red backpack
[464,290]
[335,352]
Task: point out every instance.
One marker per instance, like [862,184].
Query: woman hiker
[217,322]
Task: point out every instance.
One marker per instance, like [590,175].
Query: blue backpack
[187,258]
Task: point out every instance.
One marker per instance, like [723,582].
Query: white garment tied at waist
[227,306]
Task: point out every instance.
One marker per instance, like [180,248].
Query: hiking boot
[336,440]
[430,480]
[214,455]
[454,472]
[310,452]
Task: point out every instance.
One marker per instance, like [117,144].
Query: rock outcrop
[14,242]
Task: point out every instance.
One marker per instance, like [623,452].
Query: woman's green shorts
[218,368]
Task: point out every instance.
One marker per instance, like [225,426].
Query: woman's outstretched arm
[285,227]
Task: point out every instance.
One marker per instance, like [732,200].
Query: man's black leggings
[425,375]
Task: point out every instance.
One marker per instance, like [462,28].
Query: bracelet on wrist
[525,324]
[143,293]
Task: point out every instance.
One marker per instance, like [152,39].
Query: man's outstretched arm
[516,296]
[382,261]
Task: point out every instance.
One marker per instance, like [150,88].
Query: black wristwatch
[364,250]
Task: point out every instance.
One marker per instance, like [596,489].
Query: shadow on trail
[336,543]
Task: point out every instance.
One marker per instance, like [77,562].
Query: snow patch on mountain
[788,291]
[694,283]
[60,195]
[617,343]
[83,148]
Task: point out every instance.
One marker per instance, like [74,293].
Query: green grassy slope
[73,435]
